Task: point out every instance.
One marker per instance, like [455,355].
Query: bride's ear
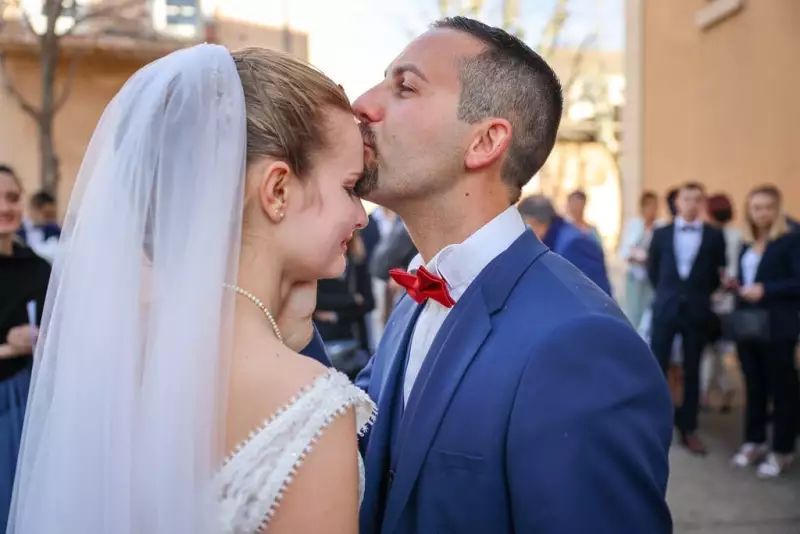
[274,189]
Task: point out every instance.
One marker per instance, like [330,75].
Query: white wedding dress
[251,484]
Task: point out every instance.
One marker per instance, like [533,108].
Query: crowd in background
[699,287]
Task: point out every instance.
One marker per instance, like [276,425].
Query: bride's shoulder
[294,387]
[316,413]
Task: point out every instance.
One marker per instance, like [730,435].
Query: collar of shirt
[460,264]
[680,224]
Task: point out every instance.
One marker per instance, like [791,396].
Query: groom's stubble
[369,179]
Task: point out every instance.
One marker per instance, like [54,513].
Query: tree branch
[553,28]
[107,10]
[26,106]
[66,88]
[577,62]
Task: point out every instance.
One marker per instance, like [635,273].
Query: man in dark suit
[684,266]
[565,239]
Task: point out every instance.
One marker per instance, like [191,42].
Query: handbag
[746,326]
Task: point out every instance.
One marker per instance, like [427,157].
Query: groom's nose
[368,107]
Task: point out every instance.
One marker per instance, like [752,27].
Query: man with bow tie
[685,263]
[513,394]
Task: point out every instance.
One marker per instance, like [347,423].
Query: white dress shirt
[688,237]
[458,265]
[751,259]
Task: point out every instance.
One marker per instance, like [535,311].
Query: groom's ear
[274,189]
[490,142]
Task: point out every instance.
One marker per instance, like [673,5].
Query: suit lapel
[673,253]
[455,346]
[700,256]
[383,386]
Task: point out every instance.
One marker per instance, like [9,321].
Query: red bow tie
[423,286]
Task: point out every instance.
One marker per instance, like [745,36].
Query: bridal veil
[125,418]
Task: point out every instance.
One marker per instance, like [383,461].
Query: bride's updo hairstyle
[305,155]
[286,100]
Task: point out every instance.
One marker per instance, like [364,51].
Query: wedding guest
[713,375]
[344,302]
[40,230]
[23,280]
[633,251]
[576,214]
[685,262]
[769,282]
[670,198]
[565,239]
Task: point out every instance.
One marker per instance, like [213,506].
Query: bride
[165,399]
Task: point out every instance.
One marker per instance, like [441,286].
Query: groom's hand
[295,319]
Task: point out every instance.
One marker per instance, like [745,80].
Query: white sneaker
[749,454]
[774,465]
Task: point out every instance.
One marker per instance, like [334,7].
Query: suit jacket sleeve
[720,256]
[365,375]
[788,287]
[589,434]
[654,258]
[316,350]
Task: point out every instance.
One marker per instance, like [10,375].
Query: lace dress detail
[252,482]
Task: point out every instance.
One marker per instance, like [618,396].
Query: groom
[514,397]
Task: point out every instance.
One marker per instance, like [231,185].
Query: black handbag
[746,326]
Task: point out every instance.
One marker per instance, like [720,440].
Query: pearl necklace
[261,306]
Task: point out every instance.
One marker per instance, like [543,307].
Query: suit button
[390,478]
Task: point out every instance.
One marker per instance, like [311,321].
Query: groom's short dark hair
[511,81]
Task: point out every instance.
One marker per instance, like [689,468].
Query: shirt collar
[460,264]
[680,223]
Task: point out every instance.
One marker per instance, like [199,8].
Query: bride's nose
[361,218]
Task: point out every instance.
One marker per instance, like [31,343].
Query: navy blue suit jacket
[779,273]
[316,350]
[580,250]
[675,297]
[538,409]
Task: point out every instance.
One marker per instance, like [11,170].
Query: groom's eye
[403,88]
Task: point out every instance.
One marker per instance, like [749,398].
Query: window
[716,11]
[69,8]
[183,12]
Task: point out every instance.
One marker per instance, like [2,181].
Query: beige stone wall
[98,79]
[94,85]
[721,105]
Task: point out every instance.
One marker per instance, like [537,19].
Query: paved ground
[707,496]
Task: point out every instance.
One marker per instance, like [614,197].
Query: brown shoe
[693,444]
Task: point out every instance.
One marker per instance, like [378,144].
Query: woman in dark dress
[769,283]
[23,278]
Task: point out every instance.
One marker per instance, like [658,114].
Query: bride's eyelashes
[352,188]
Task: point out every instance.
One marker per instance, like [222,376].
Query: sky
[353,41]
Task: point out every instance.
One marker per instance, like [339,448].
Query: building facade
[586,155]
[106,51]
[712,96]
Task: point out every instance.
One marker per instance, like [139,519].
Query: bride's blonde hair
[286,100]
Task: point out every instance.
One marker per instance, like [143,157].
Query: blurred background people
[23,285]
[576,214]
[633,250]
[713,373]
[766,330]
[565,239]
[685,263]
[342,307]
